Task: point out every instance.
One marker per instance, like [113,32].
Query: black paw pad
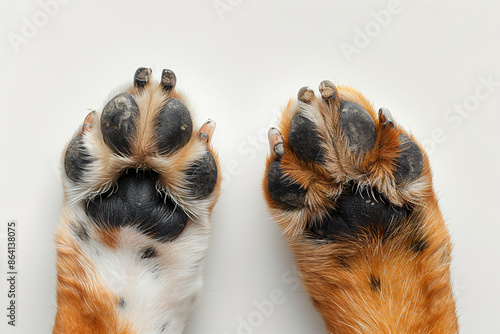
[137,202]
[357,212]
[75,159]
[118,122]
[304,139]
[282,189]
[202,176]
[358,127]
[410,161]
[173,126]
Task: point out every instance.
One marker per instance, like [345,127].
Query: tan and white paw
[140,183]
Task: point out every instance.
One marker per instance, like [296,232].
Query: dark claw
[328,90]
[118,122]
[385,117]
[173,126]
[410,161]
[76,159]
[207,131]
[168,79]
[305,94]
[141,77]
[304,139]
[282,189]
[358,127]
[202,176]
[88,123]
[276,143]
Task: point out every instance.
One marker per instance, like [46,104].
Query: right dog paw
[353,194]
[140,185]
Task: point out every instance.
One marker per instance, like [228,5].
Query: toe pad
[118,122]
[282,189]
[410,161]
[76,158]
[358,127]
[304,139]
[173,126]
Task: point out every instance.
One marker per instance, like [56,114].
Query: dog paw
[352,191]
[140,183]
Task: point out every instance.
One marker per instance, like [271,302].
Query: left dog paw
[140,186]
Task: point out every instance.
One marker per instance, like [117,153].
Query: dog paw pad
[118,122]
[358,127]
[304,139]
[173,126]
[282,189]
[410,161]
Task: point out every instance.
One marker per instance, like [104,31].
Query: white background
[239,67]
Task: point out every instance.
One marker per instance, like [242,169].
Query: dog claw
[206,131]
[385,117]
[168,79]
[328,90]
[141,77]
[276,143]
[305,94]
[89,122]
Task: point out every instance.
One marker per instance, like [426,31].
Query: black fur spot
[81,233]
[282,189]
[149,252]
[344,262]
[122,303]
[418,243]
[202,176]
[375,284]
[304,139]
[76,159]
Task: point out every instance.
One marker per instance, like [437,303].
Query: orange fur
[84,305]
[371,284]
